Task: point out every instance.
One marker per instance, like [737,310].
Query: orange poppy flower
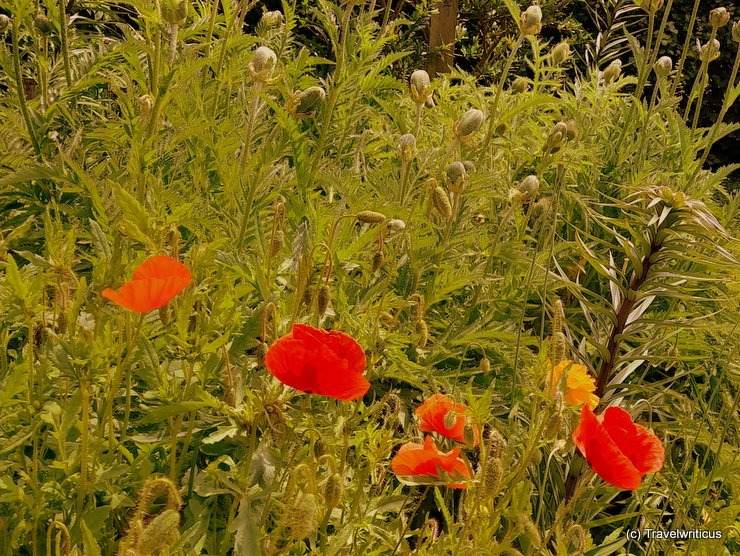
[318,361]
[154,283]
[618,450]
[425,464]
[438,408]
[580,386]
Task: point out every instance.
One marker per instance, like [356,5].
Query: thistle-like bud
[530,530]
[310,99]
[262,65]
[423,331]
[709,52]
[530,21]
[663,67]
[370,217]
[612,71]
[456,175]
[43,24]
[303,516]
[493,474]
[272,19]
[471,122]
[528,189]
[736,31]
[441,202]
[174,12]
[719,17]
[324,296]
[520,85]
[560,53]
[420,87]
[377,261]
[469,166]
[278,242]
[4,22]
[333,490]
[160,533]
[406,147]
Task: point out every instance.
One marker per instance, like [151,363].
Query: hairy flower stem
[417,121]
[699,86]
[84,441]
[173,45]
[63,39]
[19,86]
[645,67]
[685,50]
[725,107]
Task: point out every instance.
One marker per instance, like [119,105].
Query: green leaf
[159,414]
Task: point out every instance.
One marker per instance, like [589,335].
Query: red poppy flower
[618,450]
[154,283]
[425,464]
[319,361]
[438,409]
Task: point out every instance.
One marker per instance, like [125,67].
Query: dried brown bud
[530,21]
[719,17]
[370,217]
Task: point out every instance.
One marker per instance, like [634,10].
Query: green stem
[685,50]
[63,38]
[19,87]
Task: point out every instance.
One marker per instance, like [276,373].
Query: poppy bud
[560,53]
[528,189]
[42,23]
[370,217]
[164,315]
[262,65]
[736,31]
[492,477]
[406,147]
[419,309]
[160,533]
[324,297]
[485,365]
[319,447]
[310,99]
[377,261]
[441,202]
[4,22]
[576,537]
[303,516]
[529,529]
[469,166]
[469,436]
[261,351]
[450,419]
[419,86]
[496,444]
[719,17]
[397,224]
[471,122]
[333,490]
[501,130]
[572,131]
[307,295]
[520,85]
[709,51]
[278,242]
[663,67]
[558,137]
[651,5]
[423,331]
[456,175]
[531,21]
[174,12]
[612,71]
[272,19]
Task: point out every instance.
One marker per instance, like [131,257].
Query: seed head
[719,17]
[709,52]
[42,23]
[441,202]
[262,65]
[471,122]
[560,53]
[406,147]
[530,21]
[310,99]
[419,87]
[520,85]
[663,67]
[4,22]
[612,71]
[423,331]
[324,297]
[370,217]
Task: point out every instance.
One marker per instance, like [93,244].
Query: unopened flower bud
[456,175]
[736,31]
[370,217]
[4,22]
[147,103]
[528,189]
[406,147]
[560,53]
[423,331]
[496,444]
[492,477]
[719,17]
[272,19]
[558,137]
[471,122]
[469,166]
[278,242]
[450,419]
[397,224]
[303,516]
[263,64]
[419,86]
[324,296]
[663,67]
[310,99]
[709,51]
[612,71]
[531,20]
[334,490]
[377,261]
[42,23]
[485,365]
[651,5]
[441,202]
[572,132]
[520,85]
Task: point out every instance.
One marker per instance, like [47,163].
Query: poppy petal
[650,453]
[161,267]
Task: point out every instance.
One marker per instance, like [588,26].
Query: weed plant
[469,238]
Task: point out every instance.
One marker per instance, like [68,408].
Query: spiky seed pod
[262,65]
[377,261]
[496,444]
[441,202]
[493,474]
[303,516]
[334,490]
[310,99]
[277,243]
[370,217]
[174,12]
[43,24]
[469,166]
[160,533]
[324,297]
[485,365]
[719,17]
[528,189]
[663,67]
[530,21]
[471,122]
[572,132]
[612,71]
[272,19]
[520,85]
[419,309]
[419,87]
[709,52]
[406,147]
[576,537]
[560,53]
[423,331]
[4,22]
[456,175]
[736,31]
